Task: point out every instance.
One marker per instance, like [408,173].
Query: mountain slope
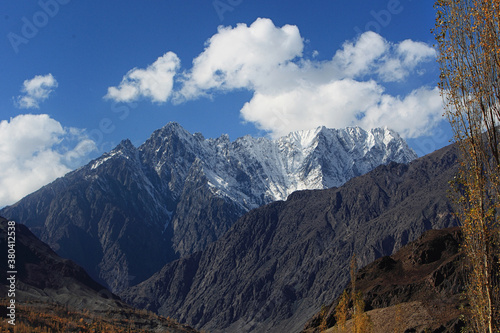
[280,262]
[425,276]
[51,289]
[41,274]
[127,213]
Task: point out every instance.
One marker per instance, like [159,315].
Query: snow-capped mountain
[255,171]
[279,263]
[127,213]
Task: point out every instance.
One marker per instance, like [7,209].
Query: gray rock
[276,266]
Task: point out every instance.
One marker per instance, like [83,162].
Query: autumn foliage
[352,305]
[41,318]
[468,36]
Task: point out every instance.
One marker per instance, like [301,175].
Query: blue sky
[80,76]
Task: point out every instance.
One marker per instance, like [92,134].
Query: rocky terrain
[41,274]
[417,289]
[126,214]
[51,289]
[279,263]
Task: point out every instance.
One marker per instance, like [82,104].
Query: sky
[77,77]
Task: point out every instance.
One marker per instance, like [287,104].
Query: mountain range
[278,264]
[128,213]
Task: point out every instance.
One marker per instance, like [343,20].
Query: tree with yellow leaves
[341,311]
[360,319]
[361,322]
[468,36]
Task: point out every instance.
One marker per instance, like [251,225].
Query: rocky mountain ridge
[277,264]
[178,192]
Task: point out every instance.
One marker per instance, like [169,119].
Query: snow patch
[100,161]
[255,171]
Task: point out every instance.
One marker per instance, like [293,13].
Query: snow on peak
[303,139]
[125,148]
[255,171]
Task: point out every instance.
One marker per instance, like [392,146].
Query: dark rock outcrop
[41,274]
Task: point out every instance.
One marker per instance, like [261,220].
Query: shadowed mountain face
[126,214]
[48,284]
[417,289]
[279,263]
[42,275]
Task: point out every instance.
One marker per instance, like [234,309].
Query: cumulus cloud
[357,58]
[154,82]
[406,56]
[334,104]
[35,150]
[292,92]
[412,115]
[242,57]
[35,91]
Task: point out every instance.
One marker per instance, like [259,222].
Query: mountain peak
[124,148]
[273,169]
[303,138]
[125,145]
[172,128]
[172,125]
[192,190]
[223,138]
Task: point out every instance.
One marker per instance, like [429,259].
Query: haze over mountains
[126,214]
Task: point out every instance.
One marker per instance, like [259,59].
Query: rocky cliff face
[276,266]
[127,213]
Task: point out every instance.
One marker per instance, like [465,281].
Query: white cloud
[412,116]
[155,82]
[360,57]
[345,103]
[405,57]
[292,92]
[35,150]
[242,57]
[415,52]
[35,91]
[334,104]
